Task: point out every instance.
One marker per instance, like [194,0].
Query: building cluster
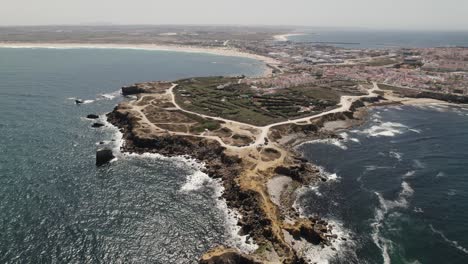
[435,69]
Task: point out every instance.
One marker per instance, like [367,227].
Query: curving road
[345,105]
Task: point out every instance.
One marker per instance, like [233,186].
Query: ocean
[398,187]
[371,39]
[56,206]
[398,190]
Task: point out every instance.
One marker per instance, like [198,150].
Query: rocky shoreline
[267,223]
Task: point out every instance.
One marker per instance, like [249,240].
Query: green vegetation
[207,125]
[225,97]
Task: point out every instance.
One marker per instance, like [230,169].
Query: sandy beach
[151,47]
[285,37]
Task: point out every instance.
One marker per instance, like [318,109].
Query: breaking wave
[110,96]
[387,129]
[341,248]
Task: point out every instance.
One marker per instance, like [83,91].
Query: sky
[374,14]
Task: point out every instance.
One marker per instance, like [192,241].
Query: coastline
[228,52]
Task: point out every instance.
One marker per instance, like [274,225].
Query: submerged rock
[92,116]
[103,156]
[79,101]
[97,125]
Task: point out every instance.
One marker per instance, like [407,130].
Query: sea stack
[103,156]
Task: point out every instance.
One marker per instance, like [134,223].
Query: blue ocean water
[399,186]
[55,205]
[385,39]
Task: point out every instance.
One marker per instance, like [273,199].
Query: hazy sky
[389,14]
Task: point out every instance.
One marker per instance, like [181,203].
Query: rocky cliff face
[148,87]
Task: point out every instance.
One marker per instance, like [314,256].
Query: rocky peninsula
[258,166]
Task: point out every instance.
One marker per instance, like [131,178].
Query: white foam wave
[386,129]
[328,175]
[346,138]
[408,174]
[89,101]
[339,248]
[111,95]
[401,201]
[384,244]
[453,243]
[232,217]
[396,155]
[117,141]
[196,181]
[441,174]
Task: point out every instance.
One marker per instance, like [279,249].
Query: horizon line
[278,26]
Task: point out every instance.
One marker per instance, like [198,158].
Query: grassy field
[225,97]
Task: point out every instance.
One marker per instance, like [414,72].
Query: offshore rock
[103,156]
[92,116]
